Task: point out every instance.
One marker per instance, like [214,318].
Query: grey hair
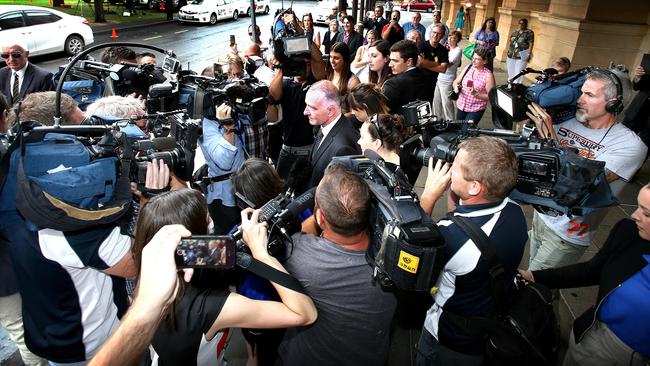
[15,42]
[115,106]
[327,91]
[414,31]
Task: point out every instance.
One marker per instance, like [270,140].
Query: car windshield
[196,2]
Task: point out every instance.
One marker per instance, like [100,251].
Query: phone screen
[206,251]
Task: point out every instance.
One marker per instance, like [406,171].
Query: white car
[45,30]
[261,7]
[208,11]
[322,13]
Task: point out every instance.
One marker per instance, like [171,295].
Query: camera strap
[489,255]
[246,261]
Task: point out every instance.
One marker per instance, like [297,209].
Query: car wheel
[235,15]
[267,10]
[73,45]
[213,19]
[249,12]
[430,10]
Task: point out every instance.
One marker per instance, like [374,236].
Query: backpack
[525,330]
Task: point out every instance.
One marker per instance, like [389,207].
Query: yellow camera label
[408,262]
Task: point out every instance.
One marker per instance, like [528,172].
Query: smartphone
[232,39]
[470,83]
[645,62]
[206,251]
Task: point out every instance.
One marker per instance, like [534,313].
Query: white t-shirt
[454,61]
[623,153]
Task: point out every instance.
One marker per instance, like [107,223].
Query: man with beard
[595,132]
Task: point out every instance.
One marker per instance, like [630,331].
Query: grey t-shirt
[354,315]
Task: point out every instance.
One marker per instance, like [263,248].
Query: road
[195,44]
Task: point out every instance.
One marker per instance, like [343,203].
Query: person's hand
[224,112]
[473,91]
[255,233]
[542,120]
[157,174]
[639,71]
[158,279]
[438,178]
[526,275]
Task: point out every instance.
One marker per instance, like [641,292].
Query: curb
[106,29]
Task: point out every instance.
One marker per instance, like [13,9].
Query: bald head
[253,50]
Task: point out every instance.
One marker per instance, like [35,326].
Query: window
[11,20]
[41,17]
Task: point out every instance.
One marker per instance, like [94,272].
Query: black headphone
[614,106]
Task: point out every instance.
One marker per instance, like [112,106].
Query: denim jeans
[474,116]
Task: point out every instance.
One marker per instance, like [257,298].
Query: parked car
[261,7]
[208,11]
[419,5]
[45,30]
[323,11]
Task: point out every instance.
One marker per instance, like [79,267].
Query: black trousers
[223,217]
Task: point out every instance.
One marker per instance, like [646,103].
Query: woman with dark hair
[459,24]
[488,37]
[520,49]
[474,84]
[308,26]
[199,312]
[365,100]
[338,68]
[378,62]
[383,134]
[259,183]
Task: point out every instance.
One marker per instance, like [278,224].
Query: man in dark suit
[349,36]
[410,82]
[19,77]
[336,135]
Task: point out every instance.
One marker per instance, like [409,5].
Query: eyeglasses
[16,54]
[375,122]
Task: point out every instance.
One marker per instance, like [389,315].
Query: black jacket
[408,86]
[340,141]
[354,41]
[35,80]
[619,259]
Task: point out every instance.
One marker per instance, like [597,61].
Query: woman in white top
[443,106]
[359,65]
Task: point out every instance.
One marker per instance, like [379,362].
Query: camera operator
[297,134]
[595,132]
[40,106]
[222,145]
[354,314]
[481,176]
[118,54]
[119,107]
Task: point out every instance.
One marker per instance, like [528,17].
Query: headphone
[614,106]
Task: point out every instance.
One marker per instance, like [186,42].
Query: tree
[99,11]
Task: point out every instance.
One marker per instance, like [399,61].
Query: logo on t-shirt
[586,147]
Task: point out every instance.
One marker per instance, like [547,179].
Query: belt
[297,150]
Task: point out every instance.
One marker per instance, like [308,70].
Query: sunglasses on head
[16,54]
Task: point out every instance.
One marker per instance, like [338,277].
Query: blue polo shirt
[626,311]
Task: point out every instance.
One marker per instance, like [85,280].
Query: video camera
[557,94]
[406,247]
[291,46]
[556,180]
